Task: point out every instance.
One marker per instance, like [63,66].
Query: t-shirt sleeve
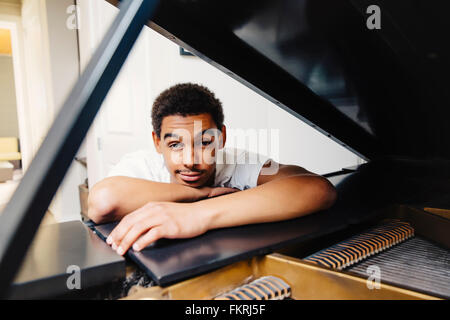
[137,165]
[247,170]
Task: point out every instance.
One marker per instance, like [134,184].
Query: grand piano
[381,93]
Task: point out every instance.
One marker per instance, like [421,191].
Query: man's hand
[212,192]
[154,221]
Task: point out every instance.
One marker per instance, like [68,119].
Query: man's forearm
[118,196]
[277,200]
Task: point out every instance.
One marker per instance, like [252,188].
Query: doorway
[14,155]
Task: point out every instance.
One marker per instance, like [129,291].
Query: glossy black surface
[378,92]
[44,272]
[363,197]
[168,261]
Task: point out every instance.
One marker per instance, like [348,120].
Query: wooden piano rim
[308,282]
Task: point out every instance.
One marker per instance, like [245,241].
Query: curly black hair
[186,99]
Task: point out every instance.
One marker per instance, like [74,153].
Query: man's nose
[192,157]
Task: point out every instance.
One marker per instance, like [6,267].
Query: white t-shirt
[235,168]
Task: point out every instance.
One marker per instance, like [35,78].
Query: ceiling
[11,1]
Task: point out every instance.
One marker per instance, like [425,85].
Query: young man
[192,184]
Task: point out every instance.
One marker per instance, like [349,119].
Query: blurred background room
[45,45]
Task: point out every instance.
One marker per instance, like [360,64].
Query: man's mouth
[191,176]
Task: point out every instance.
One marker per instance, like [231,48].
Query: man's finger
[151,236]
[134,233]
[124,226]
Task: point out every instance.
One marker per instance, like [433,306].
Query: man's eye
[176,146]
[206,143]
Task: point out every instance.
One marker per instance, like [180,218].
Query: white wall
[63,50]
[244,109]
[122,124]
[37,72]
[64,66]
[52,65]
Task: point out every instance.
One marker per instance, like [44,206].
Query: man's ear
[156,142]
[223,138]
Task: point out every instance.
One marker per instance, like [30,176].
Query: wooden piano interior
[309,280]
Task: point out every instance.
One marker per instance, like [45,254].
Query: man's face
[188,145]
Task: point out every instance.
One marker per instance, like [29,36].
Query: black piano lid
[376,92]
